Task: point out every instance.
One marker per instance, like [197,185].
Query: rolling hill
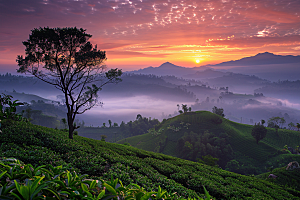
[39,145]
[203,128]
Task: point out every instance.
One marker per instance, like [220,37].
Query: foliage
[21,181]
[185,108]
[43,113]
[101,160]
[285,178]
[276,122]
[209,160]
[291,125]
[8,108]
[138,127]
[193,146]
[298,126]
[259,132]
[218,111]
[64,58]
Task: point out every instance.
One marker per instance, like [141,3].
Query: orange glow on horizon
[150,33]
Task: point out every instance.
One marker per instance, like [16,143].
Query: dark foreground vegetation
[38,145]
[19,181]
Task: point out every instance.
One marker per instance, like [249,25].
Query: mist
[127,108]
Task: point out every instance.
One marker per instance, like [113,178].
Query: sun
[197,61]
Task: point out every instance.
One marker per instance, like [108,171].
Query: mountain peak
[265,54]
[167,65]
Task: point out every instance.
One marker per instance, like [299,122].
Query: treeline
[195,146]
[43,114]
[138,127]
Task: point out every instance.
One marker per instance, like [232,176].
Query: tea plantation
[228,141]
[38,145]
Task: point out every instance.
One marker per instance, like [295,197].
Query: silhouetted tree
[184,108]
[291,125]
[139,116]
[298,126]
[259,132]
[109,122]
[64,58]
[263,122]
[276,121]
[218,111]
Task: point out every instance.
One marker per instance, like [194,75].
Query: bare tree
[64,58]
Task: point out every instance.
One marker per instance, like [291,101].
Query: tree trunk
[71,126]
[71,129]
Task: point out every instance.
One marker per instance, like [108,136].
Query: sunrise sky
[141,33]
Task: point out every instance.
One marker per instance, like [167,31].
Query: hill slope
[255,157]
[40,145]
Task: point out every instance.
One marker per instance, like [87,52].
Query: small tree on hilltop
[218,111]
[259,132]
[298,126]
[291,125]
[64,58]
[276,121]
[185,108]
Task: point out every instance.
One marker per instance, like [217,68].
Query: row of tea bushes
[23,181]
[101,160]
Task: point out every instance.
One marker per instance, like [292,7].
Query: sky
[141,33]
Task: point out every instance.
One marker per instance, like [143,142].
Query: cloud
[258,41]
[160,24]
[126,54]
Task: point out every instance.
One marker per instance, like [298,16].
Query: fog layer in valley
[127,108]
[245,97]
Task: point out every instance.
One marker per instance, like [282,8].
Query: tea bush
[20,181]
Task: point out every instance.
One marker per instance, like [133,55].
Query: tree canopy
[259,132]
[276,122]
[218,111]
[64,58]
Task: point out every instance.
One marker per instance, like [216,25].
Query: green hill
[39,145]
[204,133]
[284,177]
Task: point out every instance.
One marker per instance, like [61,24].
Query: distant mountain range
[264,65]
[267,66]
[262,59]
[169,69]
